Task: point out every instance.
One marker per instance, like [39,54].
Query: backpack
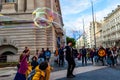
[32,73]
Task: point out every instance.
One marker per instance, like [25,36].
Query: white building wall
[111,28]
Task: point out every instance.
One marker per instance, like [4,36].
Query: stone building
[111,28]
[17,29]
[98,35]
[88,37]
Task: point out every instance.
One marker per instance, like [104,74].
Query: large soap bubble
[43,17]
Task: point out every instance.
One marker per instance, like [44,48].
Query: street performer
[70,60]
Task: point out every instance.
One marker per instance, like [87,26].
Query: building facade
[80,43]
[88,37]
[111,28]
[17,28]
[97,34]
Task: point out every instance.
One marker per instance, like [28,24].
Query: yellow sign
[101,53]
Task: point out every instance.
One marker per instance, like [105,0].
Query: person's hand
[51,68]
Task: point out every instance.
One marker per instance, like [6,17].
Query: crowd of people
[38,68]
[108,56]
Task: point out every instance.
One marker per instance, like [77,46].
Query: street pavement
[93,73]
[88,72]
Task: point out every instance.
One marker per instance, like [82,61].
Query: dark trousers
[102,60]
[61,61]
[19,76]
[84,60]
[47,59]
[92,59]
[112,59]
[71,66]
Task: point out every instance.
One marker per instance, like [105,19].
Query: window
[9,1]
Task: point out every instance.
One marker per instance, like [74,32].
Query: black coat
[69,53]
[84,52]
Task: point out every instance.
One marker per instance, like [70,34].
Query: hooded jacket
[42,75]
[39,75]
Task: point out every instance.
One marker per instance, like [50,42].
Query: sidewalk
[7,71]
[8,68]
[57,74]
[61,74]
[117,67]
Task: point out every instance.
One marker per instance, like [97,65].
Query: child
[34,62]
[42,72]
[20,75]
[29,69]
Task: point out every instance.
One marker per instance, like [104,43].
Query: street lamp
[93,23]
[83,33]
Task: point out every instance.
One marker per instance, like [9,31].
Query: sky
[75,11]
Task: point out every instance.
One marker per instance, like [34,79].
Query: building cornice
[112,13]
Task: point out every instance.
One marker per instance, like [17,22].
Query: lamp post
[83,33]
[93,24]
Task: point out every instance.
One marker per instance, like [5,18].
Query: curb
[7,73]
[8,68]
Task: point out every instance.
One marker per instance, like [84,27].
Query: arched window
[9,1]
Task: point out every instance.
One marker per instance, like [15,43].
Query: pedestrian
[21,73]
[95,55]
[61,56]
[84,53]
[91,54]
[37,53]
[75,52]
[47,54]
[43,53]
[79,56]
[28,70]
[110,58]
[115,55]
[41,57]
[56,55]
[101,54]
[70,60]
[42,71]
[34,62]
[27,50]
